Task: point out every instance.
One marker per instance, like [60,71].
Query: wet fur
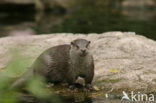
[63,63]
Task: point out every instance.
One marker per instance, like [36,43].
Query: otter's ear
[88,44]
[72,43]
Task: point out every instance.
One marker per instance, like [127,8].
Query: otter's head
[81,46]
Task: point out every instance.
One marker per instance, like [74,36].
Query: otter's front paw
[88,87]
[72,87]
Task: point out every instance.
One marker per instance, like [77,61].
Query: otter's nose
[83,50]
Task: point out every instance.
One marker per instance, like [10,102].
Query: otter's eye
[77,46]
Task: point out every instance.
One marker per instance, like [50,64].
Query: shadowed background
[27,17]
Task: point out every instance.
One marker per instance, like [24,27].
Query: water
[88,19]
[74,98]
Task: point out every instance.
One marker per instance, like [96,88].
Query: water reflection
[94,17]
[56,99]
[74,99]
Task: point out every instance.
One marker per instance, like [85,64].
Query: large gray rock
[17,1]
[122,60]
[46,4]
[138,3]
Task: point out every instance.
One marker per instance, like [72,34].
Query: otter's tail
[22,79]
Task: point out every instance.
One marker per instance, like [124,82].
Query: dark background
[77,16]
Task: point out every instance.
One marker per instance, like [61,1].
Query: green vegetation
[35,89]
[35,86]
[6,95]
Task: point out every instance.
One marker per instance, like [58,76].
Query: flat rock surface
[123,61]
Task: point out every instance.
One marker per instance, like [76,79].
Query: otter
[64,63]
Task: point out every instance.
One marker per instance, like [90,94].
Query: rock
[96,88]
[45,4]
[50,4]
[132,56]
[17,1]
[138,3]
[145,15]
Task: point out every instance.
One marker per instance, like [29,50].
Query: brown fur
[65,63]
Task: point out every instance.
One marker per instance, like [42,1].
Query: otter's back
[54,61]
